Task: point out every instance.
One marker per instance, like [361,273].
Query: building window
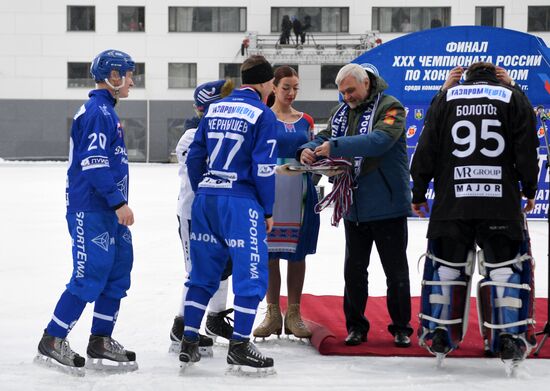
[408,19]
[131,19]
[231,71]
[313,19]
[206,19]
[538,18]
[328,76]
[135,138]
[182,75]
[490,16]
[78,75]
[139,75]
[80,18]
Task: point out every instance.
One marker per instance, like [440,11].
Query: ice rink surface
[35,264]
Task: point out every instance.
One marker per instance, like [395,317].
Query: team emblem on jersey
[104,110]
[127,236]
[418,114]
[102,241]
[265,170]
[540,132]
[411,131]
[122,186]
[289,128]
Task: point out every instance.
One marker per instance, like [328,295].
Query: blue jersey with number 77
[234,151]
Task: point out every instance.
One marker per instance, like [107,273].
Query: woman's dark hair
[282,72]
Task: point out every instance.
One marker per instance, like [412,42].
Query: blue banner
[416,66]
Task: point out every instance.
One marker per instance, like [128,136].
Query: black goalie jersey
[479,144]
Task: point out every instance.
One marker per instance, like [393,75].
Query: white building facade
[46,47]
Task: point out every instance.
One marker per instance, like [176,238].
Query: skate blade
[216,338]
[300,340]
[50,363]
[186,367]
[266,339]
[204,351]
[511,367]
[247,371]
[440,358]
[106,365]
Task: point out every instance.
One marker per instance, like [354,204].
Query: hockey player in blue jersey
[218,322]
[98,217]
[231,167]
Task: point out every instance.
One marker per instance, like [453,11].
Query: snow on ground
[35,265]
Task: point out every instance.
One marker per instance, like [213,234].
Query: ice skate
[106,354]
[220,324]
[56,353]
[512,352]
[272,324]
[189,353]
[294,325]
[245,359]
[205,343]
[440,346]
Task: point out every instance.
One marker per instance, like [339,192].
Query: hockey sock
[66,313]
[245,313]
[195,305]
[183,295]
[447,274]
[506,314]
[105,315]
[218,302]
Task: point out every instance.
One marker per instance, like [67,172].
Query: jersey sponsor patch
[477,172]
[216,183]
[92,162]
[479,91]
[478,190]
[239,110]
[266,170]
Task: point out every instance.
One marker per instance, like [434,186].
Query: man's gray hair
[354,70]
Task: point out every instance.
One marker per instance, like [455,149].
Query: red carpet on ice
[325,317]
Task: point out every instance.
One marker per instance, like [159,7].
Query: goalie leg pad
[445,297]
[506,301]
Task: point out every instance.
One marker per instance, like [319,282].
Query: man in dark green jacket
[369,128]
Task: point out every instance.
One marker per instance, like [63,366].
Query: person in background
[369,128]
[98,218]
[286,28]
[296,226]
[217,322]
[297,28]
[305,28]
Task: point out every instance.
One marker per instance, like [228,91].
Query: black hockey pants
[390,237]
